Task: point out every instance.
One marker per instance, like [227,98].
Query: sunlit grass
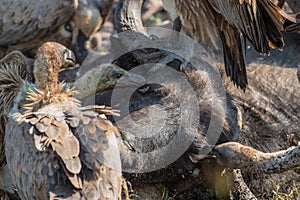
[167,196]
[293,193]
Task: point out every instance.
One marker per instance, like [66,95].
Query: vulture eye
[68,27]
[66,52]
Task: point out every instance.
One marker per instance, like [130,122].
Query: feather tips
[69,143]
[260,21]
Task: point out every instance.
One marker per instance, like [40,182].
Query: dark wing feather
[199,18]
[24,21]
[204,21]
[261,21]
[234,60]
[12,71]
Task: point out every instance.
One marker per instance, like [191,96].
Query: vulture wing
[234,60]
[261,21]
[24,21]
[72,143]
[12,71]
[98,149]
[205,22]
[200,20]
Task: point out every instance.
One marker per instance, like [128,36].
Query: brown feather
[12,72]
[54,146]
[260,21]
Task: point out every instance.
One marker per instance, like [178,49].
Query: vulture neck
[281,161]
[275,162]
[45,74]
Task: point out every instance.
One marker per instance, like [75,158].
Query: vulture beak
[80,49]
[69,58]
[114,76]
[132,80]
[195,158]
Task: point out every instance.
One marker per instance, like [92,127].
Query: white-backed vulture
[14,71]
[55,148]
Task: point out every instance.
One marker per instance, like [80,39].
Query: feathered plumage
[260,21]
[26,25]
[14,71]
[55,148]
[12,74]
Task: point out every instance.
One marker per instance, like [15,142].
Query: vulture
[260,21]
[14,70]
[55,148]
[237,156]
[26,25]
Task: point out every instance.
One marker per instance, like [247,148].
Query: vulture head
[112,76]
[236,156]
[90,15]
[50,58]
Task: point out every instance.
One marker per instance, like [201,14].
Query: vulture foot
[170,58]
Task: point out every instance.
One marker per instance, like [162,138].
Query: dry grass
[166,195]
[293,193]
